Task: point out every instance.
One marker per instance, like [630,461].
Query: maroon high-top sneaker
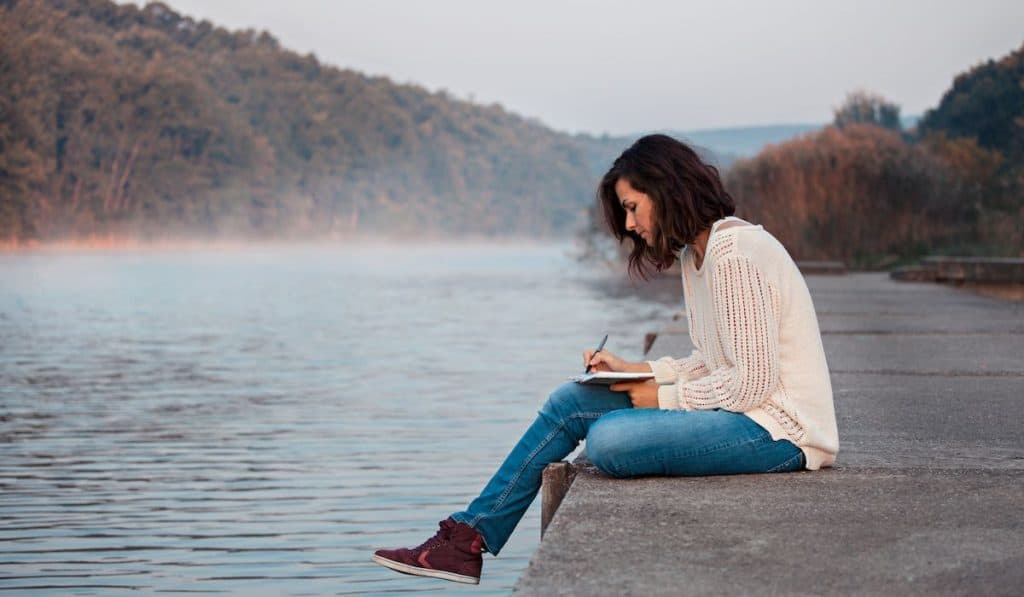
[452,554]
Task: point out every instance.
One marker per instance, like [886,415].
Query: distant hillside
[119,120]
[732,143]
[746,141]
[721,146]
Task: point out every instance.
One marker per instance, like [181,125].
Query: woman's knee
[609,445]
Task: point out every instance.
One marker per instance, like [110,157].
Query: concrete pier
[927,496]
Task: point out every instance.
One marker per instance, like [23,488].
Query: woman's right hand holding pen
[606,361]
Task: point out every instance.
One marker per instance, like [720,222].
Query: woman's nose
[630,223]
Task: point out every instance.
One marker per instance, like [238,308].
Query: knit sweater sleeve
[746,315]
[669,370]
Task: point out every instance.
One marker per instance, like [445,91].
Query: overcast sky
[625,67]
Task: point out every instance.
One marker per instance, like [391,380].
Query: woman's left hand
[643,394]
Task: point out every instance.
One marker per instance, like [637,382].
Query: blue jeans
[622,442]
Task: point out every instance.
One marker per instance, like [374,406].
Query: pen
[599,347]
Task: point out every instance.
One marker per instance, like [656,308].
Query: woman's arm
[747,318]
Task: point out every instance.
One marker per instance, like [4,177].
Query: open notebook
[606,378]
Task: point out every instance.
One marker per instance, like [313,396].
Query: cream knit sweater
[758,347]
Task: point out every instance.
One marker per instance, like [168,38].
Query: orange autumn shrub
[860,194]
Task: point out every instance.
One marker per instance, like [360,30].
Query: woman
[754,397]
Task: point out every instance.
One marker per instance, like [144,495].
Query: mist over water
[259,420]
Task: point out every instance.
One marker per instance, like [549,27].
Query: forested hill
[119,120]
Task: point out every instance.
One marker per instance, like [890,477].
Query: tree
[862,107]
[987,104]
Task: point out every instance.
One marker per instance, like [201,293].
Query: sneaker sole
[417,571]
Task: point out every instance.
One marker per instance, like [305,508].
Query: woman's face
[639,210]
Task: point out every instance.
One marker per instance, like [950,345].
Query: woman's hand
[602,361]
[643,394]
[606,361]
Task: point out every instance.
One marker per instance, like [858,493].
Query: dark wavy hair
[687,194]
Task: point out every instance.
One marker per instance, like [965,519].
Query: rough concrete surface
[927,496]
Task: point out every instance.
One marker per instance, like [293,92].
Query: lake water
[259,420]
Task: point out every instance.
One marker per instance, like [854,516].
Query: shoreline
[128,244]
